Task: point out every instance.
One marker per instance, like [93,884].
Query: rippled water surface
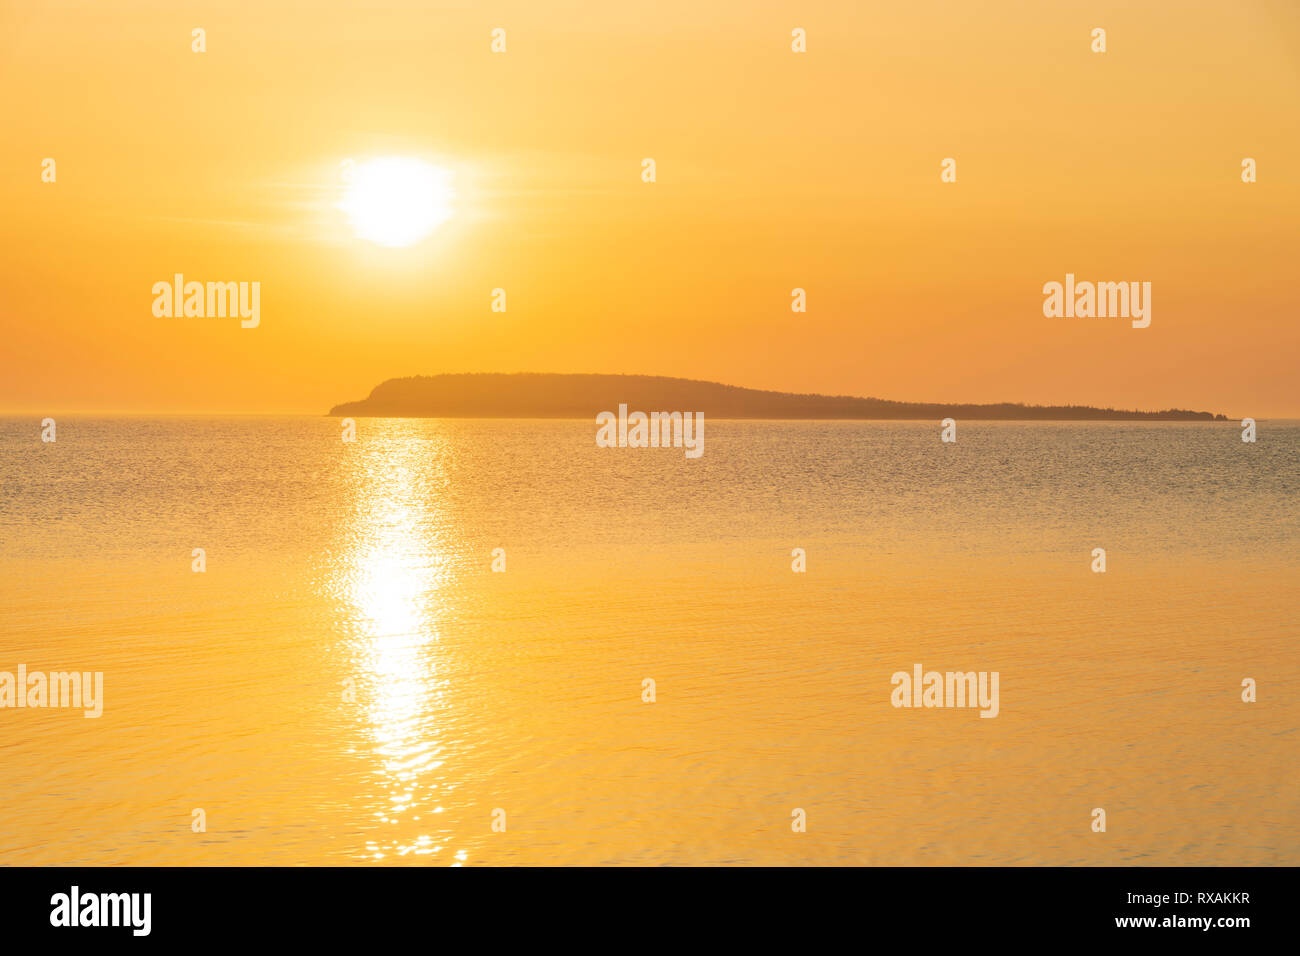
[349,681]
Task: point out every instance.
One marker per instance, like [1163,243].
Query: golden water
[349,681]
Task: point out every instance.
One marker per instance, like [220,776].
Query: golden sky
[775,170]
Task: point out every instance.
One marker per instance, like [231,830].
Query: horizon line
[306,413]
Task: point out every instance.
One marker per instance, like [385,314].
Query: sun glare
[397,201]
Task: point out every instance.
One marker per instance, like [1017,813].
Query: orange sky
[775,170]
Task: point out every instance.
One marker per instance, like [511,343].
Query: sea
[491,642]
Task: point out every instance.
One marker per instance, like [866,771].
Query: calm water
[350,682]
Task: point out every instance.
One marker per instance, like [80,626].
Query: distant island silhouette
[554,395]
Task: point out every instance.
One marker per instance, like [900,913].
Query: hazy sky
[775,170]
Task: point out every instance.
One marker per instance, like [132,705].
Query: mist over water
[349,681]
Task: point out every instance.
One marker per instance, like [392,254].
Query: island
[555,395]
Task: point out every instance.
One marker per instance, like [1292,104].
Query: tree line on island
[553,395]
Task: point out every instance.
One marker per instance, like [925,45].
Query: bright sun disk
[396,201]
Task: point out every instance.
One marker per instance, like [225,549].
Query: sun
[397,201]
